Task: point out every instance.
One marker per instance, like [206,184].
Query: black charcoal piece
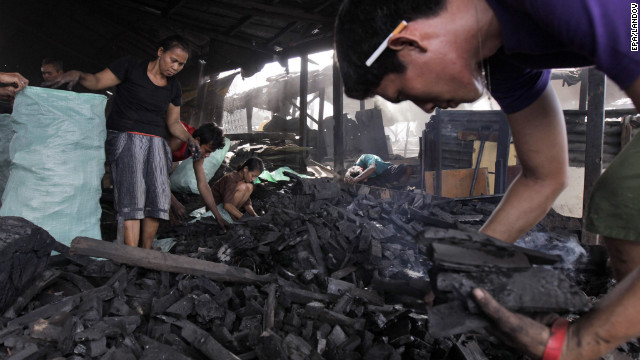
[119,307]
[301,296]
[207,309]
[473,256]
[160,305]
[182,308]
[336,337]
[57,329]
[318,311]
[270,347]
[96,332]
[154,350]
[453,318]
[24,252]
[201,340]
[96,347]
[381,351]
[466,348]
[126,324]
[295,345]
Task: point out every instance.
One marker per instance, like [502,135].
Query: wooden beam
[304,91]
[282,33]
[244,21]
[172,7]
[594,141]
[249,118]
[338,128]
[158,260]
[294,24]
[298,108]
[269,10]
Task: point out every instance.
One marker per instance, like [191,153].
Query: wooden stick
[157,260]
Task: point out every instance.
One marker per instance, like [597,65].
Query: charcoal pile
[323,273]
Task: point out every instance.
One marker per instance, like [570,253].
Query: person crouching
[232,192]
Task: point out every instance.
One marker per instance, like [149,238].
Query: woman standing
[146,105]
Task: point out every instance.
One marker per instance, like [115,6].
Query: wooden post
[438,152]
[249,118]
[502,156]
[406,139]
[338,127]
[627,131]
[594,141]
[584,89]
[202,90]
[304,86]
[320,143]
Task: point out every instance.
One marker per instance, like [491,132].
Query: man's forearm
[207,197]
[90,81]
[614,321]
[366,174]
[177,129]
[523,206]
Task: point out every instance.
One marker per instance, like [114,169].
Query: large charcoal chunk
[534,290]
[24,253]
[471,256]
[453,318]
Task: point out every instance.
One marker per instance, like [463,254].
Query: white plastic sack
[6,133]
[57,162]
[183,178]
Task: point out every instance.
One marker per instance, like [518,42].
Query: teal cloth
[57,162]
[224,213]
[277,175]
[365,160]
[200,213]
[6,134]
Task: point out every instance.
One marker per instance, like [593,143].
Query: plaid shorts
[140,167]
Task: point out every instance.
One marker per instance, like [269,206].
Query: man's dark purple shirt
[547,34]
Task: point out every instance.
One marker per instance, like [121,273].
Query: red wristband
[556,340]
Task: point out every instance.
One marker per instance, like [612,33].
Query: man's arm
[614,321]
[539,135]
[177,130]
[11,84]
[205,191]
[173,123]
[98,81]
[362,177]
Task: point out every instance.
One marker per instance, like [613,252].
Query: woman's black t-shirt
[139,104]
